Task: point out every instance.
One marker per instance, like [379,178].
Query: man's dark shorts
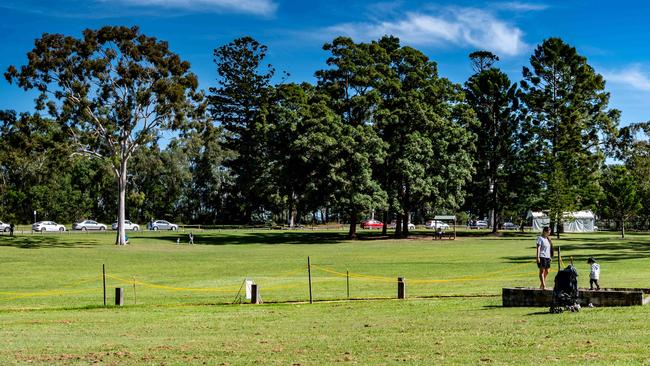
[544,263]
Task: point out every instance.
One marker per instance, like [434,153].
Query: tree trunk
[405,224]
[121,207]
[385,227]
[495,209]
[352,234]
[622,228]
[398,225]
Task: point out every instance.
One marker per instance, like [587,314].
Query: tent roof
[445,217]
[586,214]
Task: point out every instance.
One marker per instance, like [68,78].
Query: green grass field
[181,310]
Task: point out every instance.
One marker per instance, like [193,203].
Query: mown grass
[51,300]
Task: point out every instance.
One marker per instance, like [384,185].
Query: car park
[372,224]
[88,225]
[5,226]
[393,225]
[478,224]
[128,225]
[435,224]
[43,226]
[162,225]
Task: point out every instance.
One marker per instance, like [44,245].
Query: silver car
[88,225]
[4,226]
[162,225]
[128,225]
[47,226]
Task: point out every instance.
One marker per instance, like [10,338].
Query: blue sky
[612,35]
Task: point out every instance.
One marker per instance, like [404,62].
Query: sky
[612,35]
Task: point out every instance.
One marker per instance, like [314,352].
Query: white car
[510,226]
[4,226]
[162,225]
[128,225]
[434,224]
[47,226]
[393,225]
[88,225]
[480,224]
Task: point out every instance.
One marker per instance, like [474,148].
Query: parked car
[47,226]
[510,226]
[128,225]
[434,224]
[4,226]
[88,225]
[162,225]
[478,224]
[372,224]
[393,225]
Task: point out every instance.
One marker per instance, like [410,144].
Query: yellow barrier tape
[483,276]
[171,288]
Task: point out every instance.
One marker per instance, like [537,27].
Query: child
[594,275]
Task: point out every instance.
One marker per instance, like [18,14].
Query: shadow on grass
[39,241]
[607,249]
[270,237]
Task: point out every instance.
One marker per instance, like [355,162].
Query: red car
[372,224]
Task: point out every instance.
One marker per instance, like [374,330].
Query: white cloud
[449,26]
[632,76]
[520,6]
[259,7]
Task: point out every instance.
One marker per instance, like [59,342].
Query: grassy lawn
[181,311]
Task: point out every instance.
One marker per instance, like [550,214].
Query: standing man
[11,229]
[191,238]
[544,255]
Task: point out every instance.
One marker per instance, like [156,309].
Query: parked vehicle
[478,224]
[434,224]
[4,226]
[88,225]
[47,226]
[162,225]
[393,225]
[510,226]
[128,225]
[372,224]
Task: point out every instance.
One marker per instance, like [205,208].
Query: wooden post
[347,280]
[559,259]
[255,298]
[401,288]
[311,300]
[104,281]
[119,296]
[135,297]
[454,229]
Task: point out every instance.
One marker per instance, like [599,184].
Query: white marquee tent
[573,222]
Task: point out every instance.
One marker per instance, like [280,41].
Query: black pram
[565,292]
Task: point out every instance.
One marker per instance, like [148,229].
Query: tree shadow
[38,241]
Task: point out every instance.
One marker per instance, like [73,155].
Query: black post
[347,279]
[559,258]
[104,281]
[401,288]
[311,301]
[135,297]
[119,296]
[255,298]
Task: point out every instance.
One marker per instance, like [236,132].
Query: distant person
[594,274]
[544,255]
[178,241]
[191,238]
[439,233]
[126,239]
[11,229]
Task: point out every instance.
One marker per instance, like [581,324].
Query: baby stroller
[565,291]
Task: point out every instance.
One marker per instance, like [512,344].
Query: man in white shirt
[544,255]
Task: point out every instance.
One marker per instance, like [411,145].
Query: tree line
[380,133]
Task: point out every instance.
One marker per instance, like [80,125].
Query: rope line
[171,288]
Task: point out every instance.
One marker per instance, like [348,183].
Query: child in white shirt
[594,275]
